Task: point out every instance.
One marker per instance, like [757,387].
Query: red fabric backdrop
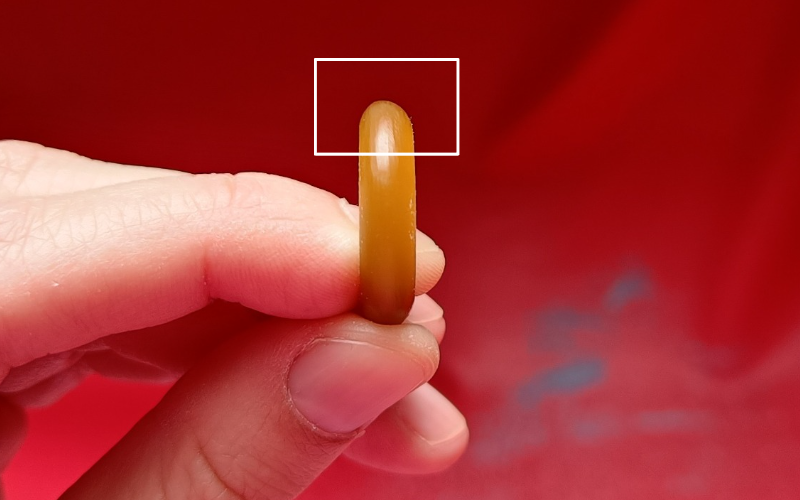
[623,282]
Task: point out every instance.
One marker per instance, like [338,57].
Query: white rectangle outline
[400,59]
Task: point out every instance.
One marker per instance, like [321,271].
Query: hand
[152,274]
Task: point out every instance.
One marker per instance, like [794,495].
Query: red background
[345,89]
[621,227]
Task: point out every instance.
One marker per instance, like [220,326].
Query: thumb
[265,414]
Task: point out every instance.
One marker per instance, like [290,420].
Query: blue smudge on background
[570,378]
[631,286]
[506,437]
[553,328]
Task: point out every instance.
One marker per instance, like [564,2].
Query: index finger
[78,266]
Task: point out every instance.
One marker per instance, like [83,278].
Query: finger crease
[232,493]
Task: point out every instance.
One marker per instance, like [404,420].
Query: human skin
[238,286]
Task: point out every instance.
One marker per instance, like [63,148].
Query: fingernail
[431,416]
[342,385]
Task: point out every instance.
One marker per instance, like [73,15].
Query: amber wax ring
[388,222]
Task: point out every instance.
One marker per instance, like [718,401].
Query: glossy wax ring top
[388,220]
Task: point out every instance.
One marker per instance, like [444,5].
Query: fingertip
[437,422]
[430,263]
[426,312]
[422,434]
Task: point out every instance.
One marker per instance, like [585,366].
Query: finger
[169,349]
[29,169]
[48,390]
[158,354]
[421,434]
[266,413]
[134,255]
